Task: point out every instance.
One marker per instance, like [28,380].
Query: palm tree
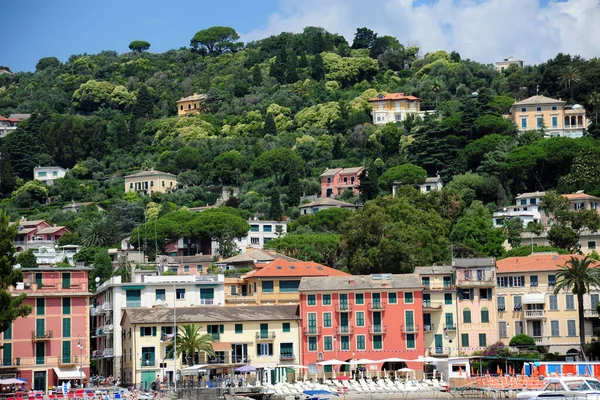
[191,341]
[577,276]
[570,77]
[594,100]
[96,233]
[436,87]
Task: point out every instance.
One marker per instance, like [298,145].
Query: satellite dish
[97,279]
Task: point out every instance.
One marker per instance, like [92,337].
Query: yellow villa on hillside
[190,104]
[268,337]
[527,304]
[148,182]
[394,107]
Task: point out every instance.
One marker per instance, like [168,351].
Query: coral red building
[52,344]
[361,316]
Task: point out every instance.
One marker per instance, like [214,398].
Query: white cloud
[483,30]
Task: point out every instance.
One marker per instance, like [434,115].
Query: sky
[482,30]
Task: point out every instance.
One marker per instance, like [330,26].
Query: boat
[576,385]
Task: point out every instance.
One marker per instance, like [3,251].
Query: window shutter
[460,294]
[489,296]
[221,328]
[141,331]
[471,294]
[153,331]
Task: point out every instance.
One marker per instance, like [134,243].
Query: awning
[534,298]
[193,370]
[69,373]
[221,346]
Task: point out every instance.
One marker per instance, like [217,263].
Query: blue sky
[483,30]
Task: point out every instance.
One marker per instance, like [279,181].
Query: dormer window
[380,96]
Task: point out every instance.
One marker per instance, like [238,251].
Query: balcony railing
[93,311]
[377,329]
[237,359]
[439,351]
[148,362]
[68,360]
[428,327]
[106,353]
[449,327]
[590,313]
[43,335]
[535,314]
[344,330]
[376,306]
[541,340]
[410,328]
[107,306]
[287,357]
[343,307]
[312,330]
[207,302]
[476,282]
[431,306]
[265,335]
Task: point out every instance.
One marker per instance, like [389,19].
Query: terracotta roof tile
[394,96]
[580,196]
[283,268]
[534,262]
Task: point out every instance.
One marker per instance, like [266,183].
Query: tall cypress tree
[275,209]
[7,177]
[277,69]
[317,69]
[294,191]
[144,103]
[303,63]
[270,128]
[369,183]
[291,74]
[257,77]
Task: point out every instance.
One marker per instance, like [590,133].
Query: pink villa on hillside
[50,345]
[334,181]
[34,234]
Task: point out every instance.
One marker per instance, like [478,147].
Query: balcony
[39,336]
[148,362]
[428,305]
[428,327]
[94,312]
[312,330]
[207,302]
[343,307]
[107,306]
[287,357]
[106,353]
[439,351]
[239,359]
[535,314]
[377,329]
[541,340]
[8,363]
[590,313]
[449,327]
[476,282]
[68,360]
[344,330]
[438,286]
[410,328]
[265,336]
[376,306]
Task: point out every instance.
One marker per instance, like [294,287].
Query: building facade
[476,328]
[190,105]
[149,182]
[439,309]
[52,344]
[526,303]
[394,107]
[507,62]
[335,181]
[8,125]
[47,175]
[37,234]
[361,316]
[148,292]
[554,116]
[324,204]
[265,336]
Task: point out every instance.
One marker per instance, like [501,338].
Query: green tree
[275,208]
[216,40]
[102,268]
[318,247]
[218,225]
[229,167]
[27,259]
[139,46]
[96,232]
[291,74]
[363,38]
[277,162]
[144,103]
[270,127]
[11,307]
[474,234]
[513,227]
[522,340]
[571,76]
[294,188]
[368,187]
[32,191]
[577,275]
[257,77]
[7,177]
[190,341]
[405,174]
[47,62]
[317,68]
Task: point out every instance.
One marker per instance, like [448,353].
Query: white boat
[561,386]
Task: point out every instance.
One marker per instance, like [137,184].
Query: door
[40,353]
[427,322]
[40,327]
[312,323]
[426,300]
[377,319]
[344,323]
[376,300]
[537,328]
[449,321]
[147,378]
[410,321]
[66,280]
[344,301]
[39,380]
[439,344]
[264,331]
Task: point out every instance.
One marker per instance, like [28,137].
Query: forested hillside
[279,111]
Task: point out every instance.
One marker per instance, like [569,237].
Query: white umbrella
[333,362]
[363,361]
[394,360]
[405,370]
[425,359]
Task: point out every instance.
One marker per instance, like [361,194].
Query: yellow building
[190,105]
[554,116]
[527,304]
[439,310]
[148,182]
[263,336]
[394,107]
[507,62]
[275,282]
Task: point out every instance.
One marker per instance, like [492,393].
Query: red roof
[394,96]
[580,196]
[3,118]
[282,268]
[13,119]
[534,262]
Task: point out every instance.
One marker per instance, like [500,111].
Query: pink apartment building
[334,181]
[52,344]
[38,233]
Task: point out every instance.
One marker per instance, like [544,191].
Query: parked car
[574,384]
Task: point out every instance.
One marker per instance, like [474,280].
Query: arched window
[467,316]
[485,315]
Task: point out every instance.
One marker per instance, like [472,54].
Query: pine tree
[291,74]
[270,128]
[277,69]
[294,191]
[317,70]
[275,209]
[7,177]
[257,78]
[144,103]
[369,185]
[303,63]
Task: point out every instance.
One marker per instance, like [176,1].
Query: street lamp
[80,362]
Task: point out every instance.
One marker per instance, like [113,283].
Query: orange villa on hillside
[274,283]
[394,107]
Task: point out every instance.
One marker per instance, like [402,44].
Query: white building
[324,204]
[394,107]
[146,291]
[48,175]
[50,255]
[431,183]
[260,233]
[526,207]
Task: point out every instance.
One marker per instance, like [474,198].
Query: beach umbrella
[333,362]
[246,368]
